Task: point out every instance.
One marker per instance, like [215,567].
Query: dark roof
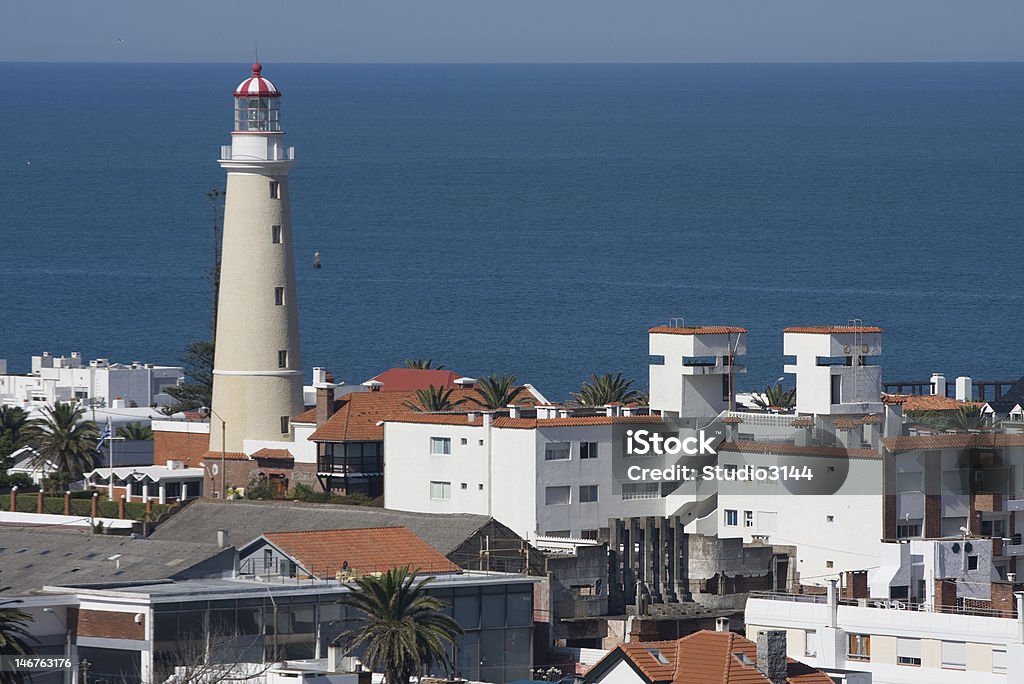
[406,379]
[247,520]
[31,557]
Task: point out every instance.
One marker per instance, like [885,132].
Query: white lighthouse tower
[257,377]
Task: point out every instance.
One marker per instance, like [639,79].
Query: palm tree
[14,637]
[403,628]
[135,431]
[422,364]
[67,441]
[433,400]
[774,396]
[16,429]
[497,392]
[968,417]
[606,389]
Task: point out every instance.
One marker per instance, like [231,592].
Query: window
[561,534]
[557,496]
[463,441]
[731,518]
[811,642]
[282,358]
[556,451]
[954,655]
[285,424]
[830,518]
[908,530]
[836,396]
[588,493]
[480,486]
[860,647]
[464,486]
[640,490]
[480,442]
[588,450]
[440,491]
[582,590]
[275,234]
[278,296]
[275,190]
[972,562]
[589,534]
[908,652]
[998,661]
[440,446]
[830,564]
[748,518]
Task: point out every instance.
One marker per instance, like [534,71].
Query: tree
[402,627]
[216,198]
[14,638]
[968,417]
[197,390]
[422,364]
[135,431]
[497,392]
[774,396]
[433,400]
[606,389]
[67,441]
[16,429]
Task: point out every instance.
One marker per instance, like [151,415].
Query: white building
[833,368]
[67,378]
[693,369]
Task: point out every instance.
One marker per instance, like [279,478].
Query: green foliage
[135,431]
[401,626]
[966,417]
[606,389]
[422,364]
[773,396]
[307,494]
[260,488]
[433,399]
[497,392]
[197,390]
[67,441]
[20,480]
[16,429]
[14,638]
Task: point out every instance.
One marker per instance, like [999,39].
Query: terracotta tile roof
[356,415]
[705,657]
[785,448]
[873,419]
[961,440]
[732,419]
[273,454]
[926,402]
[697,330]
[846,423]
[833,329]
[213,457]
[802,422]
[377,549]
[406,379]
[506,423]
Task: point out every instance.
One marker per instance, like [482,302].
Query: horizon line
[541,63]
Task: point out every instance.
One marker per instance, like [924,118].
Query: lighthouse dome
[256,85]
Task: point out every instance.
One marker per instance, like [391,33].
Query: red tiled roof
[846,423]
[732,419]
[833,329]
[323,552]
[273,454]
[213,457]
[961,440]
[802,422]
[697,330]
[356,415]
[406,379]
[506,423]
[706,657]
[926,402]
[787,449]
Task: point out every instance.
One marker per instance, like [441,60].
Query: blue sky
[513,30]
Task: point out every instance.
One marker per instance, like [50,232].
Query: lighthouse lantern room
[257,104]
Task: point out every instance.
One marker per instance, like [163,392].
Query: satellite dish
[214,469]
[847,348]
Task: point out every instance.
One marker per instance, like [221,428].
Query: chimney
[514,411]
[833,603]
[466,383]
[964,388]
[324,403]
[373,385]
[471,416]
[938,382]
[1019,596]
[487,416]
[722,624]
[222,539]
[771,655]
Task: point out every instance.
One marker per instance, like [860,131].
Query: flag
[105,435]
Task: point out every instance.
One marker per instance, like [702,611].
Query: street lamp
[67,641]
[223,453]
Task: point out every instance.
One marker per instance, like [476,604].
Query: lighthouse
[257,376]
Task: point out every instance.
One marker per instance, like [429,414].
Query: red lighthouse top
[256,85]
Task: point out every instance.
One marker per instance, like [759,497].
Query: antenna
[255,51]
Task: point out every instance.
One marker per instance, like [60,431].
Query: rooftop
[957,440]
[411,379]
[787,448]
[696,330]
[832,329]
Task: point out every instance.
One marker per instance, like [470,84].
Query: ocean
[532,219]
